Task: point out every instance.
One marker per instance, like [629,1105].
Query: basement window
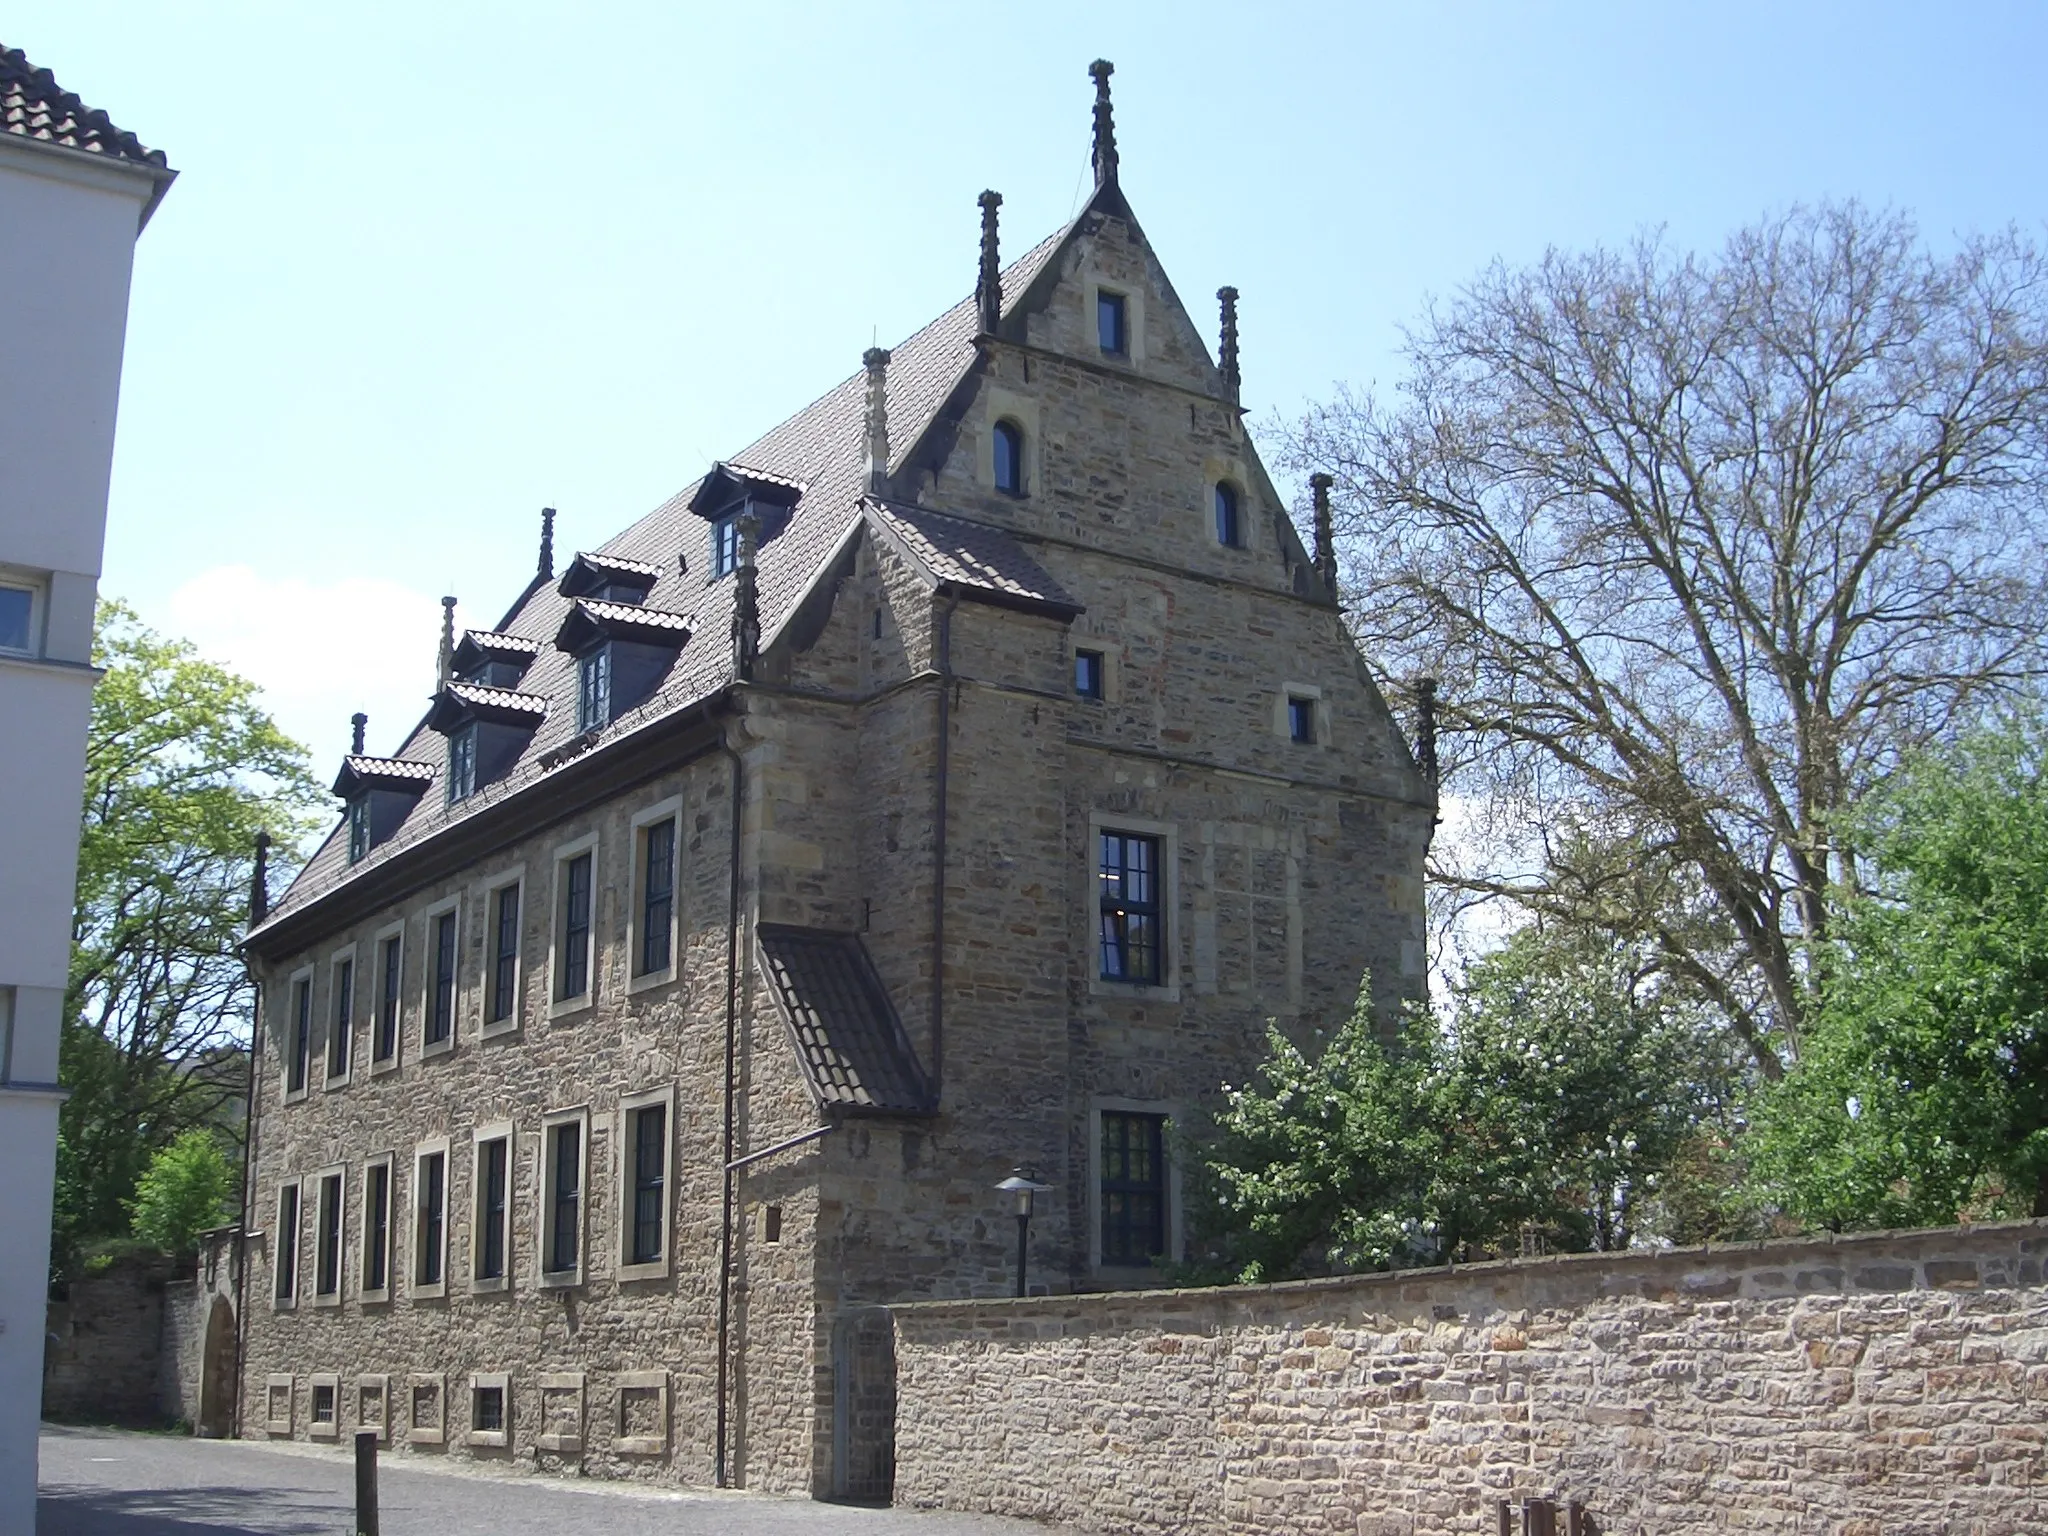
[487,1410]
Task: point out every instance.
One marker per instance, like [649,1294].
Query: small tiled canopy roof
[34,106]
[971,558]
[588,572]
[855,1054]
[589,619]
[457,702]
[359,773]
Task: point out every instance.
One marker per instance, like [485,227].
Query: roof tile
[34,106]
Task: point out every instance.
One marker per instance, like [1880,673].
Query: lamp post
[1022,1188]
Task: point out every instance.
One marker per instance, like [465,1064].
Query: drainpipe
[945,724]
[732,989]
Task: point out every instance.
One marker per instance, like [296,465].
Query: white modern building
[75,191]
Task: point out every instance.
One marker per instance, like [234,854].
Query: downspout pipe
[729,1173]
[944,658]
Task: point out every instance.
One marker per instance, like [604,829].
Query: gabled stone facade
[890,813]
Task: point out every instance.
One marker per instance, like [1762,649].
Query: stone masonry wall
[105,1341]
[1886,1383]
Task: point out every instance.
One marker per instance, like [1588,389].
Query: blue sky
[428,268]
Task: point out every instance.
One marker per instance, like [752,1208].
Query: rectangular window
[430,1187]
[358,828]
[490,1410]
[323,1402]
[1133,1188]
[1088,674]
[462,764]
[657,897]
[342,1027]
[327,1239]
[441,1000]
[594,689]
[562,1241]
[649,1147]
[389,954]
[377,1228]
[302,1036]
[17,619]
[493,1207]
[1129,879]
[725,545]
[504,990]
[1109,323]
[1301,719]
[285,1270]
[573,979]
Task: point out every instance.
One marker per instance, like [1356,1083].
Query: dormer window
[1008,461]
[621,592]
[725,543]
[462,764]
[358,828]
[594,690]
[494,660]
[497,674]
[379,792]
[1110,324]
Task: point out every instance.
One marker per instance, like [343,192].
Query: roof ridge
[34,106]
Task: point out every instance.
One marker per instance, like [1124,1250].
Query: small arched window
[1009,458]
[1229,533]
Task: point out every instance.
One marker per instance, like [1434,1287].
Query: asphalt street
[99,1482]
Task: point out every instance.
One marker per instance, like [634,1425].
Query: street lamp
[1021,1188]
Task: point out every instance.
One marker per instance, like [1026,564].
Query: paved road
[98,1482]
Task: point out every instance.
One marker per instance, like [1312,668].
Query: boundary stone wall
[1882,1383]
[105,1343]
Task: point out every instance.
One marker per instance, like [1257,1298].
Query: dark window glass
[650,1169]
[725,545]
[287,1275]
[327,1252]
[1088,674]
[565,1224]
[17,616]
[1227,531]
[343,1028]
[505,954]
[323,1404]
[575,979]
[1009,458]
[392,952]
[462,764]
[490,1209]
[377,1229]
[302,1037]
[441,1009]
[657,897]
[1129,880]
[1133,1188]
[358,827]
[490,1409]
[1301,719]
[594,689]
[1109,323]
[433,1213]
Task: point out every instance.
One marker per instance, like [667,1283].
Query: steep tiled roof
[360,772]
[972,557]
[848,1037]
[511,645]
[34,106]
[822,450]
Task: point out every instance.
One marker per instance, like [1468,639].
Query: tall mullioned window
[650,1177]
[389,954]
[462,764]
[285,1268]
[725,545]
[342,1026]
[573,979]
[302,1036]
[493,1177]
[657,897]
[358,828]
[1133,1190]
[327,1238]
[504,989]
[377,1227]
[441,1000]
[562,1243]
[594,689]
[1128,878]
[429,1247]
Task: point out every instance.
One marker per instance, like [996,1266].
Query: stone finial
[1226,351]
[445,667]
[876,360]
[1104,155]
[547,543]
[1326,539]
[988,287]
[358,722]
[1425,726]
[259,881]
[746,602]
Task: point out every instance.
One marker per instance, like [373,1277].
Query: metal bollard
[366,1482]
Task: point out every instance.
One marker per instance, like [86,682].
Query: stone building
[956,779]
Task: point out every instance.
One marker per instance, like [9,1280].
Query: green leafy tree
[183,767]
[1565,1080]
[185,1191]
[1922,1095]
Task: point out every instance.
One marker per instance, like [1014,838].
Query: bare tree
[1698,549]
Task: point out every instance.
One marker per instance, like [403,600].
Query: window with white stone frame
[651,930]
[1134,894]
[329,1202]
[374,1242]
[298,1033]
[490,1409]
[504,979]
[429,1247]
[1300,716]
[284,1248]
[323,1418]
[564,1177]
[490,1226]
[1133,1188]
[572,946]
[441,992]
[386,1015]
[341,1016]
[646,1130]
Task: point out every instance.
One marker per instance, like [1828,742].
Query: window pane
[594,691]
[1133,1190]
[327,1255]
[338,1040]
[387,1001]
[358,828]
[302,1036]
[376,1247]
[1088,674]
[1226,514]
[1301,719]
[1109,322]
[491,1210]
[287,1277]
[433,1195]
[441,1013]
[650,1165]
[1009,458]
[564,1220]
[657,909]
[575,979]
[17,610]
[1128,878]
[505,954]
